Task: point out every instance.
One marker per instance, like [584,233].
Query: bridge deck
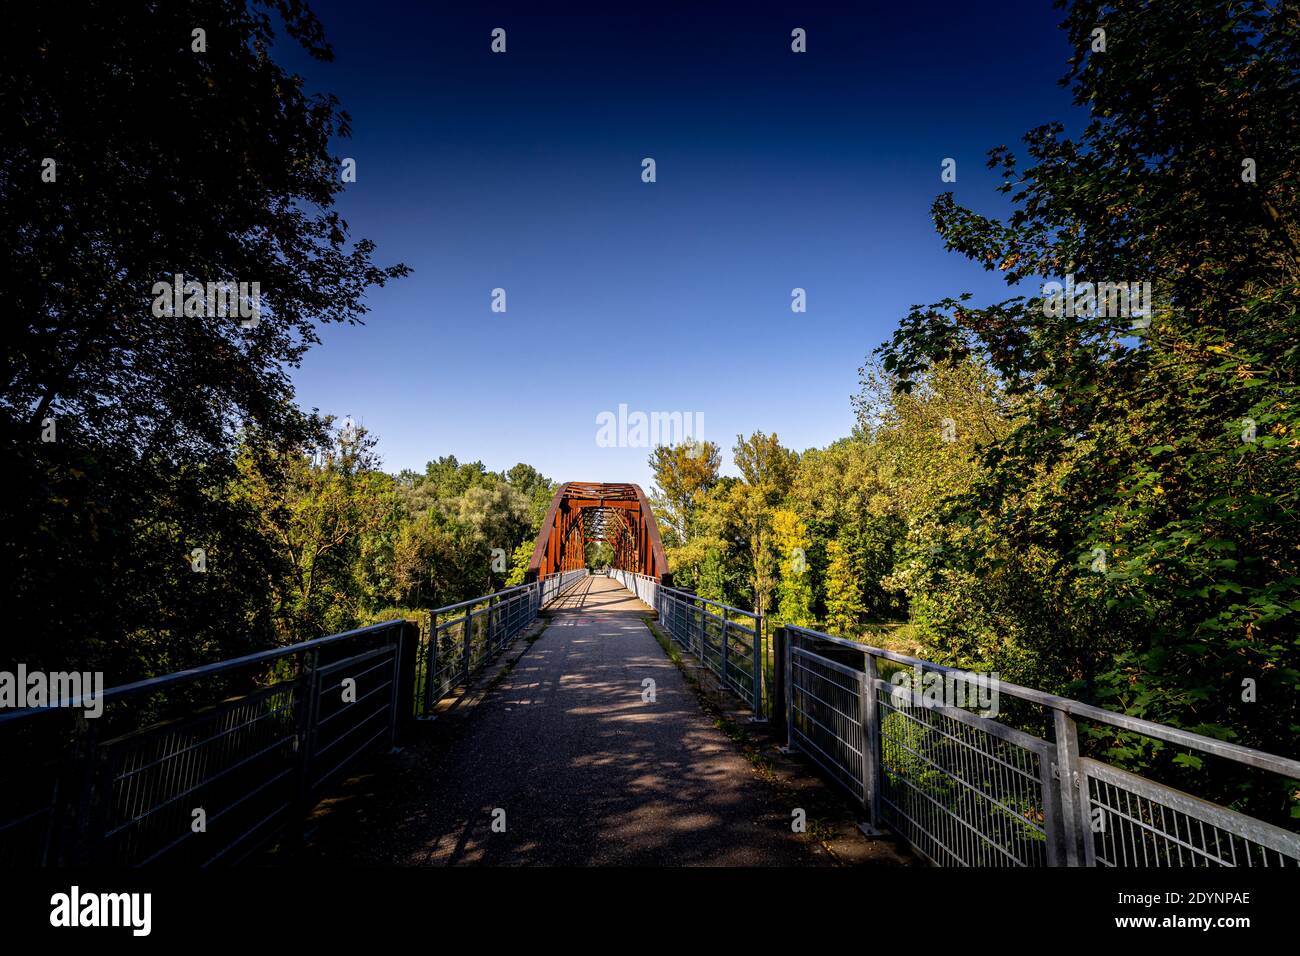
[585,771]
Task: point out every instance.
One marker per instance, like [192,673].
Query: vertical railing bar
[467,633]
[88,734]
[792,684]
[1089,857]
[394,689]
[1067,762]
[870,740]
[726,654]
[307,682]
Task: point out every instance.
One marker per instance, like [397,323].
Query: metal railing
[208,765]
[557,585]
[201,766]
[460,639]
[964,789]
[726,639]
[642,585]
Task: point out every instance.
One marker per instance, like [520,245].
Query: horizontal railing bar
[138,818]
[825,661]
[352,662]
[187,834]
[959,779]
[321,778]
[350,729]
[197,745]
[687,596]
[1237,824]
[13,824]
[518,588]
[248,832]
[986,725]
[1248,755]
[348,708]
[208,670]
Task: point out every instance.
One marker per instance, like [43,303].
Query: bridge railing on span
[728,640]
[460,638]
[206,766]
[959,786]
[917,744]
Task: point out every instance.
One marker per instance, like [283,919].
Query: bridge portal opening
[610,522]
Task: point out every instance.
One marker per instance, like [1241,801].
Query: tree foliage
[216,167]
[1145,500]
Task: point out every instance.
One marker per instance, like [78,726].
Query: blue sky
[775,170]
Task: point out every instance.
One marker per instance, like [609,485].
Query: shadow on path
[582,770]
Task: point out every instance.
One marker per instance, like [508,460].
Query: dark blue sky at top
[775,171]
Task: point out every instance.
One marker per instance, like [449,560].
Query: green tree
[844,607]
[794,590]
[519,562]
[147,406]
[683,475]
[766,465]
[1163,441]
[768,469]
[538,489]
[320,506]
[494,516]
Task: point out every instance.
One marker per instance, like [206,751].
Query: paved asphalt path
[590,774]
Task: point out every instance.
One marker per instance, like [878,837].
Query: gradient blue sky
[775,170]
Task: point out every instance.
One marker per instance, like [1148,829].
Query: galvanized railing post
[779,674]
[310,699]
[1067,773]
[725,649]
[399,684]
[432,671]
[406,667]
[792,683]
[467,632]
[1053,826]
[758,666]
[870,740]
[81,849]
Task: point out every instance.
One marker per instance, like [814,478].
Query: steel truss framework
[584,512]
